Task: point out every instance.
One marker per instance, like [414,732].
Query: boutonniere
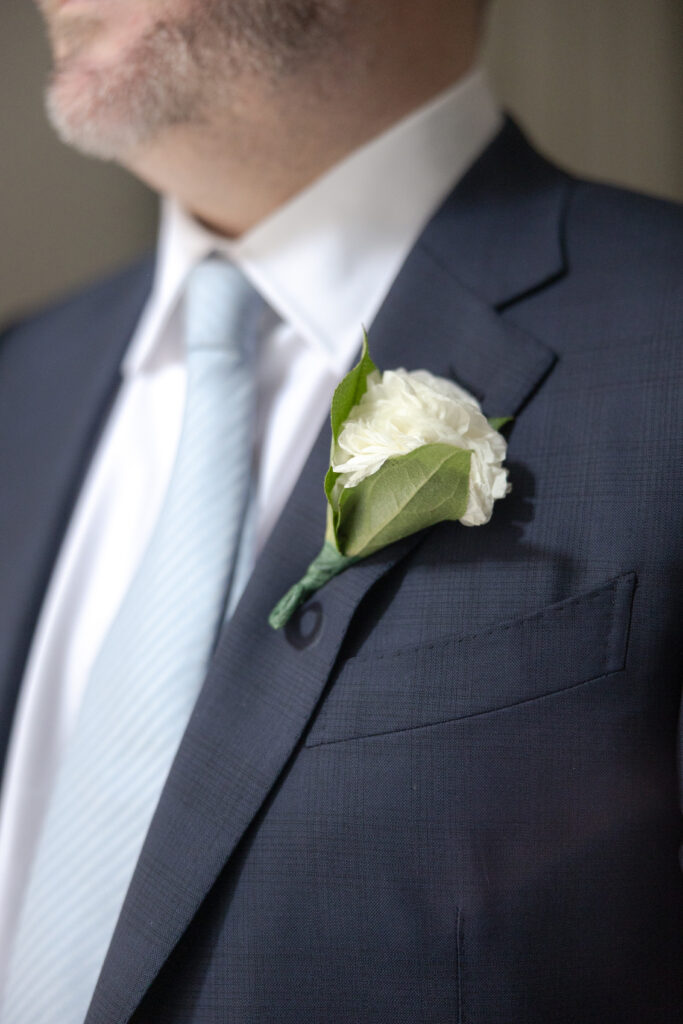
[409,450]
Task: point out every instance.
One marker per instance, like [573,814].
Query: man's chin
[111,111]
[89,116]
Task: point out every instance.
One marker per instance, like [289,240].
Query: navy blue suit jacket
[447,791]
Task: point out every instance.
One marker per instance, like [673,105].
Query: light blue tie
[148,672]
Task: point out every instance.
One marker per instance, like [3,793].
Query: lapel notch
[501,230]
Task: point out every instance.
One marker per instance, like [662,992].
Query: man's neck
[241,164]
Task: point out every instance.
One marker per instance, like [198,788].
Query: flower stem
[328,563]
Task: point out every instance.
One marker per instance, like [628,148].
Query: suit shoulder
[91,304]
[624,262]
[607,222]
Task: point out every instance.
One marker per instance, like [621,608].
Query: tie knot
[222,308]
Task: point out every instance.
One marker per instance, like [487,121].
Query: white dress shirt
[324,262]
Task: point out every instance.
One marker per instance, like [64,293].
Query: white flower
[402,411]
[400,414]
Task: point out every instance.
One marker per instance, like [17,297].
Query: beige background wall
[597,83]
[63,219]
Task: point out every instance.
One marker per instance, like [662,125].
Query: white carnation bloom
[402,411]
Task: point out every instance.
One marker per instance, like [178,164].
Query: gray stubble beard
[182,69]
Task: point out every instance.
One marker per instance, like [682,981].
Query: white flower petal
[401,411]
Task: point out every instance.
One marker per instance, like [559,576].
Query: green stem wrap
[328,563]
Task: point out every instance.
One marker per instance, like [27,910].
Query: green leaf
[325,565]
[407,494]
[332,521]
[351,389]
[498,422]
[348,393]
[330,480]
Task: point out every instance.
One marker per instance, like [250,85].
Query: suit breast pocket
[562,646]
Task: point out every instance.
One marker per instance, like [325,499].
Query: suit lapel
[501,231]
[263,686]
[57,381]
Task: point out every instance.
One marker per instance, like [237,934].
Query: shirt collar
[326,259]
